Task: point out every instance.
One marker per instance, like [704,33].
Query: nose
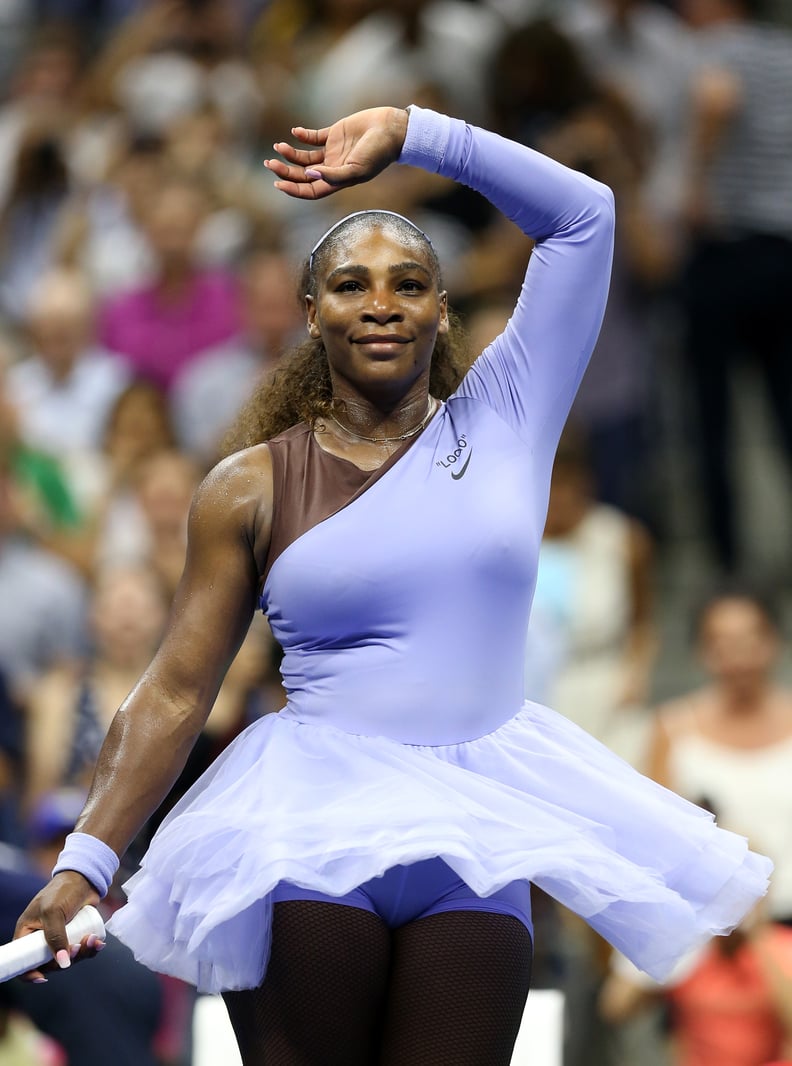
[381,309]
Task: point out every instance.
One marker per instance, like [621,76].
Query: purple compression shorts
[405,893]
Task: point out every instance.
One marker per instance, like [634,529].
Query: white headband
[356,214]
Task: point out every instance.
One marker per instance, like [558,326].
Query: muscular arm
[154,729]
[156,726]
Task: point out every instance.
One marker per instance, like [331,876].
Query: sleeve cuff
[427,138]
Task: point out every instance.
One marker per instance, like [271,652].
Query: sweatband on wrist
[426,140]
[91,857]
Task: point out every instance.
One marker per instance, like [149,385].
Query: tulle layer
[538,799]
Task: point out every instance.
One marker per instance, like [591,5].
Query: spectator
[101,230]
[536,81]
[111,526]
[38,474]
[42,600]
[616,403]
[172,57]
[42,91]
[731,739]
[395,52]
[210,391]
[594,587]
[112,1010]
[160,328]
[71,705]
[64,390]
[737,283]
[40,185]
[729,1005]
[163,485]
[139,428]
[200,146]
[645,52]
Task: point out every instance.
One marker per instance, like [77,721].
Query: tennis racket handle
[31,951]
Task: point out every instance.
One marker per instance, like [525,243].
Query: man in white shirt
[64,390]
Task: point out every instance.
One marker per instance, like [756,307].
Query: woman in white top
[728,744]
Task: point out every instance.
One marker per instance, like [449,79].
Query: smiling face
[378,309]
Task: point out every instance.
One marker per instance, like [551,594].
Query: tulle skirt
[537,799]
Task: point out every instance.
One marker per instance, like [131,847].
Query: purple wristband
[427,138]
[90,857]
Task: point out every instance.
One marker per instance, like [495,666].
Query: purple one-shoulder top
[403,610]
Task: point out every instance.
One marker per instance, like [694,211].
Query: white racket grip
[31,951]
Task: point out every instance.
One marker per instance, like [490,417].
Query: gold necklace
[433,405]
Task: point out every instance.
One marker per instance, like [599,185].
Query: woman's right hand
[50,910]
[353,150]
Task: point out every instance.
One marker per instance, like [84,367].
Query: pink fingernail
[312,174]
[62,959]
[100,945]
[74,951]
[40,981]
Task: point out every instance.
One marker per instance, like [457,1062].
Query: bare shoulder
[681,716]
[235,497]
[672,721]
[239,478]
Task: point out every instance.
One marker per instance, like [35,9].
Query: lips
[382,338]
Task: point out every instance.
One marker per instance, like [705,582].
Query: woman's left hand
[353,150]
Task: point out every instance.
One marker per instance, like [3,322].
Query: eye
[350,285]
[411,285]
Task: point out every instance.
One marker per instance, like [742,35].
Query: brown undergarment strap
[309,485]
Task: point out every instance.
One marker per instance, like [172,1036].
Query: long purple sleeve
[529,375]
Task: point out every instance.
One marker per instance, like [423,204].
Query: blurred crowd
[148,272]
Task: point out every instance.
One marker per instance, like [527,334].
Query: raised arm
[154,729]
[530,374]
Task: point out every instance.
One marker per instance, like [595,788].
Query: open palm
[351,151]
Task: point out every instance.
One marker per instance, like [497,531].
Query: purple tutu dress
[403,614]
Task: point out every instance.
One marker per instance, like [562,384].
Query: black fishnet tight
[457,990]
[343,990]
[322,999]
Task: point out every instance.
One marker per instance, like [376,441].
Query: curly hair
[299,389]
